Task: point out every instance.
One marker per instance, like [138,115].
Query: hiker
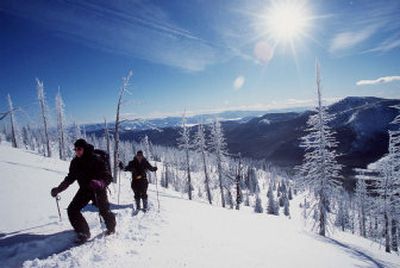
[139,166]
[93,176]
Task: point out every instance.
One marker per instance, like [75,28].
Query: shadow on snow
[357,253]
[92,208]
[16,249]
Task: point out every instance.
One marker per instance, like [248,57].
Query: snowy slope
[184,233]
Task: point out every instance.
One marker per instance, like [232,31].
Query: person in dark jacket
[93,176]
[139,167]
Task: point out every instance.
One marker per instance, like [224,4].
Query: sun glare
[287,21]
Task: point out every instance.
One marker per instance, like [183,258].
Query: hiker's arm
[150,167]
[71,177]
[129,167]
[68,180]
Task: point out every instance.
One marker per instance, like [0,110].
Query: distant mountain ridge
[361,125]
[176,121]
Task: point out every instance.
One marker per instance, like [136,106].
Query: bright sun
[287,21]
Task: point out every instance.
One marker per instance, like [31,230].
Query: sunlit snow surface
[184,233]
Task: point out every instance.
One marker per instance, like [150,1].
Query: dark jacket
[86,168]
[139,169]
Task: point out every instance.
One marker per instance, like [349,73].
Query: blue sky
[196,55]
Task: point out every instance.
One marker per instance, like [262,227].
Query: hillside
[361,125]
[183,234]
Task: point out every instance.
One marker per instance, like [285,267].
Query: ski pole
[158,199]
[58,198]
[97,204]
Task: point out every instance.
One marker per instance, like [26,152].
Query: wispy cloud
[346,40]
[135,28]
[380,80]
[387,45]
[367,27]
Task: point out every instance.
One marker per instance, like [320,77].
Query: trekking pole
[97,204]
[119,184]
[158,199]
[58,198]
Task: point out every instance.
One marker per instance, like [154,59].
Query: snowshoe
[109,232]
[135,212]
[82,238]
[145,205]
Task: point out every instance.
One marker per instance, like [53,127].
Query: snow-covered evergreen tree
[362,200]
[252,181]
[165,176]
[44,113]
[272,206]
[388,189]
[320,170]
[283,194]
[201,147]
[27,138]
[342,215]
[84,136]
[385,190]
[290,193]
[76,131]
[238,183]
[185,144]
[61,125]
[258,205]
[229,197]
[218,146]
[394,151]
[286,210]
[247,199]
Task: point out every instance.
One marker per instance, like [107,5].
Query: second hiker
[139,166]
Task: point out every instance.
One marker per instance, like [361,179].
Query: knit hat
[81,143]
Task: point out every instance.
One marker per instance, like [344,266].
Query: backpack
[105,157]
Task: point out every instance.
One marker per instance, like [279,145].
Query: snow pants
[81,199]
[139,187]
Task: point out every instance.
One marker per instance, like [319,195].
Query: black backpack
[104,156]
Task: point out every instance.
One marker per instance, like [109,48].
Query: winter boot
[109,232]
[138,207]
[82,238]
[145,204]
[110,223]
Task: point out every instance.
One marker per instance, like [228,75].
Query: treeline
[200,167]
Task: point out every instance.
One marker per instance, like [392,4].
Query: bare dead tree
[107,135]
[14,139]
[123,90]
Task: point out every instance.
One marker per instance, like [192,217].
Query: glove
[120,165]
[155,169]
[54,192]
[97,185]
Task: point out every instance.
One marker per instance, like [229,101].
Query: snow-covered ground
[183,234]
